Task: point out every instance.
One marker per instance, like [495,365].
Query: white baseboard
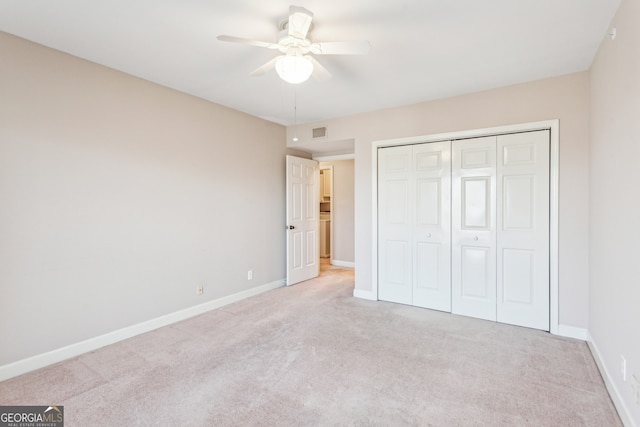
[618,402]
[573,332]
[343,263]
[41,360]
[358,293]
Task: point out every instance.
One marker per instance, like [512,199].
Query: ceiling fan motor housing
[287,42]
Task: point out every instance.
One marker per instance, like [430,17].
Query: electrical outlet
[250,275]
[200,290]
[623,368]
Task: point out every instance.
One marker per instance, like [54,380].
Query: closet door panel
[473,235]
[432,227]
[395,218]
[475,271]
[523,231]
[476,203]
[428,268]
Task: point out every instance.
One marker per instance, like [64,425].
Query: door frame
[334,158]
[330,169]
[554,168]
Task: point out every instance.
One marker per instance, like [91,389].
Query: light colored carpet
[311,354]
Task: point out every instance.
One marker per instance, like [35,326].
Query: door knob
[290,227]
[428,234]
[475,238]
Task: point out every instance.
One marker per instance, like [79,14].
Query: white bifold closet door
[463,226]
[414,190]
[500,228]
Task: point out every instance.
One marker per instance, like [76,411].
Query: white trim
[358,293]
[554,217]
[45,359]
[554,169]
[339,263]
[374,221]
[573,332]
[333,158]
[616,397]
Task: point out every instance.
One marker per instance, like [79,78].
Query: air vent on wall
[320,132]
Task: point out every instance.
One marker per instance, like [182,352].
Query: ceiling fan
[296,64]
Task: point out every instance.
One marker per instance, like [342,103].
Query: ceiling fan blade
[262,70]
[248,42]
[299,22]
[319,72]
[341,48]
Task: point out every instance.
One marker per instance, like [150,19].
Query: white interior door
[523,229]
[302,219]
[473,228]
[395,188]
[432,226]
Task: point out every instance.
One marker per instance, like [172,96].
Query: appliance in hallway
[325,235]
[325,213]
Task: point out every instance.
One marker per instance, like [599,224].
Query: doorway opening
[336,213]
[325,200]
[303,216]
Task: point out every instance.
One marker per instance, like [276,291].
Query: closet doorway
[467,224]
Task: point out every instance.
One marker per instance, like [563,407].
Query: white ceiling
[421,49]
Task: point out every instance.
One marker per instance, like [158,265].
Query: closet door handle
[291,227]
[475,238]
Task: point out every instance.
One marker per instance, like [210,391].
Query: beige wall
[118,197]
[614,298]
[342,207]
[565,98]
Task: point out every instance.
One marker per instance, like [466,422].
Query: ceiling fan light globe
[294,69]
